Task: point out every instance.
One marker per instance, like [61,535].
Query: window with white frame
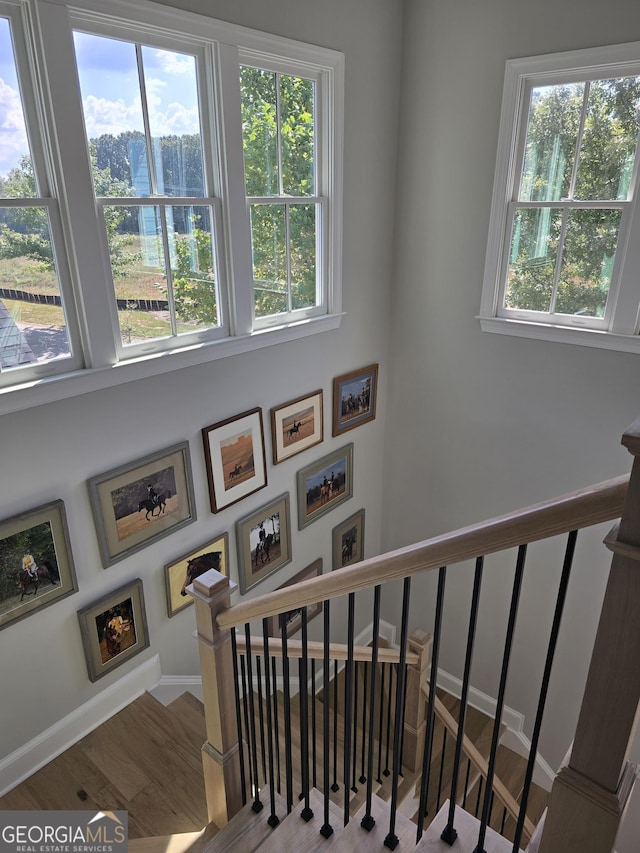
[198,171]
[561,263]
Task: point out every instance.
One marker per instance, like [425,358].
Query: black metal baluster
[380,720]
[368,822]
[511,626]
[256,805]
[246,721]
[326,829]
[503,821]
[261,718]
[546,677]
[273,819]
[466,783]
[348,688]
[431,713]
[392,840]
[393,669]
[236,688]
[287,713]
[355,727]
[363,778]
[449,834]
[335,787]
[276,724]
[314,757]
[440,775]
[306,812]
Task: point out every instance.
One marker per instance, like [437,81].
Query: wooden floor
[146,759]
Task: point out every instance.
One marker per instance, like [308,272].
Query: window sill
[38,392]
[561,334]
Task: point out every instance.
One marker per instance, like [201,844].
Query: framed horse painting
[141,502]
[264,542]
[354,398]
[293,618]
[179,574]
[36,567]
[324,485]
[296,426]
[235,458]
[348,541]
[114,629]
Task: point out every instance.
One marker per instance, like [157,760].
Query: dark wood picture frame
[235,458]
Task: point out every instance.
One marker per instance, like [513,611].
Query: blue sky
[110,92]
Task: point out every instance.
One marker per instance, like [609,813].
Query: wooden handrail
[480,763]
[573,511]
[315,650]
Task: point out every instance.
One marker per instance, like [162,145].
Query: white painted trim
[171,686]
[22,763]
[599,338]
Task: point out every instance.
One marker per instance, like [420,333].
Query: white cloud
[13,134]
[105,116]
[174,63]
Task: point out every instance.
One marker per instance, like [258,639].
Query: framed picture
[264,542]
[235,458]
[354,398]
[138,503]
[296,426]
[294,617]
[348,541]
[36,567]
[324,485]
[114,629]
[180,573]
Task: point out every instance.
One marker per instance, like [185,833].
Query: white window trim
[619,60]
[102,372]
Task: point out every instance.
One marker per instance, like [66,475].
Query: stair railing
[215,619]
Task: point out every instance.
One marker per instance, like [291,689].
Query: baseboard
[22,763]
[171,686]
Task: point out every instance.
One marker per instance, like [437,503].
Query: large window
[563,213]
[168,184]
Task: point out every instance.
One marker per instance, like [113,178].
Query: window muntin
[572,199]
[279,118]
[34,333]
[143,125]
[54,116]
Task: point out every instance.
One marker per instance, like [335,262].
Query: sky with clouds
[110,92]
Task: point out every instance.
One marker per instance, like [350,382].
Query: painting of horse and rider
[33,550]
[296,426]
[138,503]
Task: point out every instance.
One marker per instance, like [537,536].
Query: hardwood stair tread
[294,833]
[248,830]
[355,839]
[467,827]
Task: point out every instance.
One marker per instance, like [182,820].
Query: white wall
[477,423]
[49,452]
